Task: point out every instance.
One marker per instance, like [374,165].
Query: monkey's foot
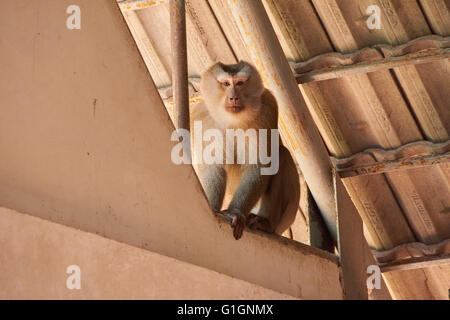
[237,220]
[260,223]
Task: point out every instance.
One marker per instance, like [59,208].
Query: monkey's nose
[234,99]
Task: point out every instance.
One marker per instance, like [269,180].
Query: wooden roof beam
[132,5]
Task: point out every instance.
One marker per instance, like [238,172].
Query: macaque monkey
[234,97]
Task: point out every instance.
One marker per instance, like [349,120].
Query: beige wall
[38,253]
[85,142]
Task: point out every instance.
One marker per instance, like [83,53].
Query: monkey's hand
[237,220]
[259,223]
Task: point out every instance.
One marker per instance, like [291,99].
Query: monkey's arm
[214,181]
[249,190]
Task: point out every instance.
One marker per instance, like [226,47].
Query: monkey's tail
[291,234]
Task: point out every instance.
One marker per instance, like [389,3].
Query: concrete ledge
[35,254]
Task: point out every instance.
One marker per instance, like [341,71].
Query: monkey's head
[232,93]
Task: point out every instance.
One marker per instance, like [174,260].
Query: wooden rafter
[414,256]
[133,5]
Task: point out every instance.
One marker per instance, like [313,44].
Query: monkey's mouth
[234,108]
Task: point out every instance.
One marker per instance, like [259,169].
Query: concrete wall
[85,142]
[38,253]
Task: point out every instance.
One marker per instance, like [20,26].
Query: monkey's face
[233,92]
[234,89]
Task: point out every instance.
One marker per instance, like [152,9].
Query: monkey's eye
[239,83]
[226,83]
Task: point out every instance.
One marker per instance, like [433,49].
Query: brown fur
[237,190]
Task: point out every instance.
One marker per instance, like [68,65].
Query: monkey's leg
[214,180]
[247,194]
[257,222]
[269,208]
[279,203]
